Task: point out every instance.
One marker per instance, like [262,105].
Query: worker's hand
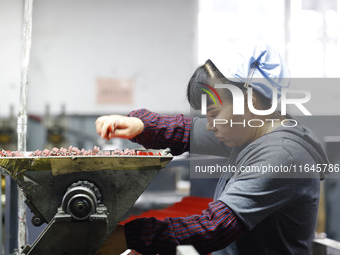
[115,243]
[110,126]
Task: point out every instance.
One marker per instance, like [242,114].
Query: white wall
[76,42]
[10,54]
[154,42]
[309,40]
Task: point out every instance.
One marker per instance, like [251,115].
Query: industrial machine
[82,198]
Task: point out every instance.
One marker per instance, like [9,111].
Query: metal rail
[22,117]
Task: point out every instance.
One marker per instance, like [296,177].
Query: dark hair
[210,75]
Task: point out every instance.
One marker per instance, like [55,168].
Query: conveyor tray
[71,164]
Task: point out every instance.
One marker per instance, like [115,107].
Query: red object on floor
[188,206]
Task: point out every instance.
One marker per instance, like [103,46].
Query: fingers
[105,125]
[106,129]
[112,128]
[128,128]
[99,124]
[118,126]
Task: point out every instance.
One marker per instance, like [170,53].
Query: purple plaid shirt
[213,230]
[163,131]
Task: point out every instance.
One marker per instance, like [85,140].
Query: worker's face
[235,134]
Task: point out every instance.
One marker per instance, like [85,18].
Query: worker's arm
[179,133]
[149,129]
[213,230]
[163,131]
[156,131]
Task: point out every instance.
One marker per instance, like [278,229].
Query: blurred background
[91,58]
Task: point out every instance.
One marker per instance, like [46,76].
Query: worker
[267,212]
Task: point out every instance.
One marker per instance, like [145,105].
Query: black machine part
[80,200]
[80,218]
[88,215]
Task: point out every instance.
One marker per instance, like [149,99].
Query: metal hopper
[82,198]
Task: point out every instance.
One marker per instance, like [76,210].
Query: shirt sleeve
[163,131]
[213,230]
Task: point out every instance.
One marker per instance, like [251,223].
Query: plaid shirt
[213,230]
[162,131]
